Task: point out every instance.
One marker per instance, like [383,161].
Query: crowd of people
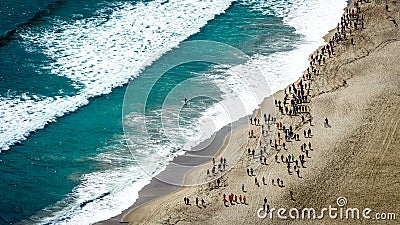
[293,117]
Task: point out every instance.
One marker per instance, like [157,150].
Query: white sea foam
[84,206]
[20,115]
[99,54]
[129,172]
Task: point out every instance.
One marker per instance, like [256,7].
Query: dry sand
[356,157]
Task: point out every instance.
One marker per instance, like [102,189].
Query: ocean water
[64,70]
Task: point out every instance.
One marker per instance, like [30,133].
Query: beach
[82,111]
[350,151]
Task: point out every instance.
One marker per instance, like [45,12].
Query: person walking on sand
[203,202]
[288,169]
[197,201]
[326,123]
[309,132]
[225,201]
[243,187]
[302,161]
[298,173]
[244,199]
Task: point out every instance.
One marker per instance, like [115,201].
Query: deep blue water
[43,170]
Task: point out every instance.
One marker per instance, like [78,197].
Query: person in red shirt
[225,202]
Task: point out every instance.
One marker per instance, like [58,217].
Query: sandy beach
[353,156]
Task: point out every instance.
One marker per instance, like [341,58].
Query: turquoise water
[80,161]
[45,167]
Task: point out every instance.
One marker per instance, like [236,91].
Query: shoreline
[322,89]
[158,188]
